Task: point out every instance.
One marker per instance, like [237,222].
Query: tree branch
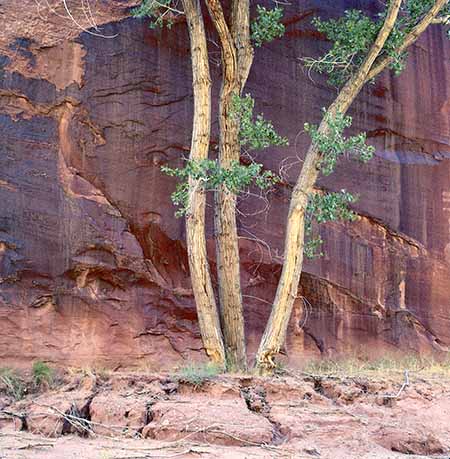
[226,39]
[354,85]
[240,29]
[442,20]
[428,19]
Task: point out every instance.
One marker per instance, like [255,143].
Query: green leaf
[332,144]
[267,26]
[255,134]
[324,208]
[210,176]
[352,35]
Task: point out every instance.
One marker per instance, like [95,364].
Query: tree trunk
[236,61]
[240,30]
[275,333]
[228,271]
[208,316]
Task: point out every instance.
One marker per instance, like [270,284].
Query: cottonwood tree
[361,46]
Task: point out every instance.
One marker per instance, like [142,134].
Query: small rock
[312,452]
[169,387]
[419,443]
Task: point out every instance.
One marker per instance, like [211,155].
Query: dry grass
[12,384]
[89,372]
[391,366]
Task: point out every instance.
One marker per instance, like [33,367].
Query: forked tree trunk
[240,30]
[208,316]
[237,58]
[275,333]
[228,265]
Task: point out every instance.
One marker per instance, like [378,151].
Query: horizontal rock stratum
[93,265]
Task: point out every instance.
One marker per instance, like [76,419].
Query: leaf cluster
[324,208]
[254,134]
[332,144]
[209,175]
[353,34]
[416,9]
[267,26]
[258,133]
[160,12]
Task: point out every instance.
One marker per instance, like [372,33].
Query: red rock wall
[92,261]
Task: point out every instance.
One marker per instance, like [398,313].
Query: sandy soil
[129,416]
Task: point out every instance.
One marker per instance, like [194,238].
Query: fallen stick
[35,445]
[159,456]
[404,385]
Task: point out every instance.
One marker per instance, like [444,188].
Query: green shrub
[12,384]
[42,374]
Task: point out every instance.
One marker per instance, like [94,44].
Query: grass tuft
[197,374]
[12,384]
[42,375]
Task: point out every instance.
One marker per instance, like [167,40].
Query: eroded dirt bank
[296,416]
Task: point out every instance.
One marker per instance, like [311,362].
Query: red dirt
[145,416]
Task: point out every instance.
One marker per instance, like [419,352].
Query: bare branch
[442,20]
[69,13]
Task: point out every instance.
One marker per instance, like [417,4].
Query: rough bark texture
[227,243]
[287,292]
[93,263]
[240,30]
[195,221]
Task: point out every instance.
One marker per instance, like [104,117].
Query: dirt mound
[411,442]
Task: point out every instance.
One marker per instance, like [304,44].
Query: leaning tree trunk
[208,316]
[275,333]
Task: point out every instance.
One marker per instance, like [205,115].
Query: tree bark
[275,333]
[208,316]
[237,58]
[240,30]
[228,269]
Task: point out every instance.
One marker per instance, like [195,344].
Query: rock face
[93,266]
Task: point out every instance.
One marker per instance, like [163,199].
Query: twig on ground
[80,424]
[159,456]
[404,386]
[36,445]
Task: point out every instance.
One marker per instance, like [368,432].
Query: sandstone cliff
[93,266]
